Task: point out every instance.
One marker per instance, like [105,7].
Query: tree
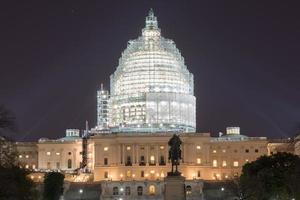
[14,181]
[271,177]
[53,185]
[15,184]
[7,148]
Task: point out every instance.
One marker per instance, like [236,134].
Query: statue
[174,154]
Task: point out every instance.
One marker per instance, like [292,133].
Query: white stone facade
[140,157]
[147,189]
[63,154]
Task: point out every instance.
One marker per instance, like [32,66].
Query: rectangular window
[105,174]
[198,160]
[152,160]
[198,174]
[215,163]
[142,174]
[105,161]
[57,165]
[162,160]
[256,150]
[142,161]
[235,163]
[224,163]
[247,150]
[128,161]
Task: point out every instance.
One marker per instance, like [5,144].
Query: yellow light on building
[224,163]
[198,160]
[128,148]
[162,174]
[215,163]
[235,163]
[128,173]
[198,147]
[193,175]
[105,148]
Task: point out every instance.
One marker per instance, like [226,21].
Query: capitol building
[151,97]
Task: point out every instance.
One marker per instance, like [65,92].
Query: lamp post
[80,193]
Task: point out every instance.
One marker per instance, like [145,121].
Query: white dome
[151,73]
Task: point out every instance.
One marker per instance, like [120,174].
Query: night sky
[244,56]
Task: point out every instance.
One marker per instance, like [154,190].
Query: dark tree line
[275,177]
[14,181]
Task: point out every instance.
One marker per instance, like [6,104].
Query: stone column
[147,155]
[119,157]
[184,157]
[157,154]
[137,153]
[167,155]
[123,154]
[133,154]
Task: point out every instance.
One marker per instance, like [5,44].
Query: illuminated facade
[152,89]
[151,98]
[137,156]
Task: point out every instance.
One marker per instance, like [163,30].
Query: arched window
[115,191]
[127,190]
[152,189]
[188,189]
[69,163]
[140,190]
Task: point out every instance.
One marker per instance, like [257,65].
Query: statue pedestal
[174,187]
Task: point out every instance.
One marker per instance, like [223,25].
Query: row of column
[135,153]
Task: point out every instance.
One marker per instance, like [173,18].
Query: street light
[80,191]
[222,189]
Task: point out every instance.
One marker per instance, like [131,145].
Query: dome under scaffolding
[151,89]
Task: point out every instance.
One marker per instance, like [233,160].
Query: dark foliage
[53,185]
[271,177]
[15,184]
